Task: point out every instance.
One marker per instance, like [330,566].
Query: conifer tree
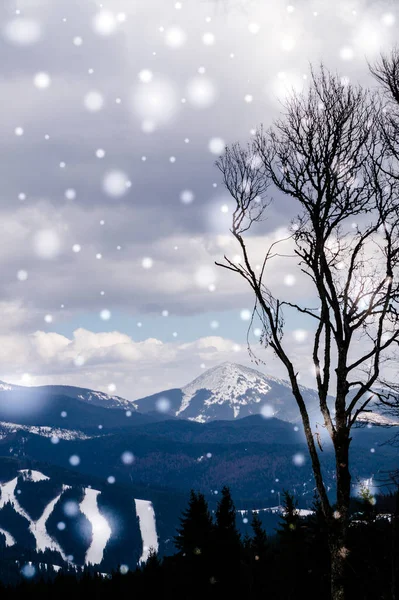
[226,528]
[194,535]
[366,504]
[152,574]
[259,539]
[259,557]
[247,544]
[153,563]
[228,549]
[291,547]
[316,549]
[290,520]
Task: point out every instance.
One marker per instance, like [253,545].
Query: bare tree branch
[332,154]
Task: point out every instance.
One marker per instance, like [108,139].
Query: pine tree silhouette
[195,533]
[290,521]
[366,505]
[291,536]
[228,549]
[226,528]
[316,549]
[194,539]
[259,543]
[153,563]
[259,557]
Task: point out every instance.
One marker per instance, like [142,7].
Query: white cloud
[136,368]
[149,220]
[150,364]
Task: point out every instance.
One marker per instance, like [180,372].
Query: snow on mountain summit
[228,383]
[226,392]
[231,391]
[227,378]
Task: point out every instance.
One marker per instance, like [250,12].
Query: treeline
[213,560]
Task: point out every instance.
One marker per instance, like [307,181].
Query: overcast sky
[112,210]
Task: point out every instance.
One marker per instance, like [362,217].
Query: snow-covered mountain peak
[228,391]
[230,384]
[228,381]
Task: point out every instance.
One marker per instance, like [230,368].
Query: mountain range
[229,391]
[226,392]
[230,426]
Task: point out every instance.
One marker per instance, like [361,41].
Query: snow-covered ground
[302,512]
[38,528]
[101,530]
[377,419]
[63,434]
[148,529]
[10,541]
[34,475]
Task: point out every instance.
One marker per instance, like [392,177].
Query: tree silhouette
[259,545]
[225,526]
[195,533]
[259,556]
[328,156]
[290,520]
[227,548]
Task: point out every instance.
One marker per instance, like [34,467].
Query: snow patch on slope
[376,419]
[302,512]
[100,528]
[10,541]
[104,400]
[229,383]
[6,386]
[148,530]
[38,528]
[34,475]
[63,434]
[85,395]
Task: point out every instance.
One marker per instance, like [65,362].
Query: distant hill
[86,395]
[71,410]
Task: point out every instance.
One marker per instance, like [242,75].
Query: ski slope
[101,530]
[146,515]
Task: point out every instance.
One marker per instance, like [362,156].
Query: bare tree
[386,72]
[326,152]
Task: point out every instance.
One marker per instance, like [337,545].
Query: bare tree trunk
[338,567]
[339,525]
[333,163]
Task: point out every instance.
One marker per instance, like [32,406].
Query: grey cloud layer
[149,220]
